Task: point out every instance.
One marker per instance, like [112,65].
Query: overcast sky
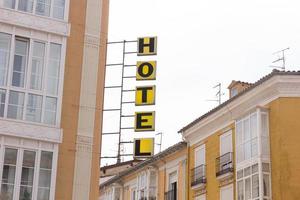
[201,43]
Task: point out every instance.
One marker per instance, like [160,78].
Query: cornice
[30,131]
[34,22]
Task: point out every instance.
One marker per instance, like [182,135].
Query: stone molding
[30,131]
[35,22]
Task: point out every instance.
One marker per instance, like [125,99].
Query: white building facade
[33,37]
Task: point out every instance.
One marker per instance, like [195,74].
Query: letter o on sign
[146,70]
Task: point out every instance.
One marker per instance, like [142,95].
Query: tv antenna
[160,143]
[281,58]
[219,94]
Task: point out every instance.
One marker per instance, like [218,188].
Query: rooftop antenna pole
[282,58]
[218,94]
[160,143]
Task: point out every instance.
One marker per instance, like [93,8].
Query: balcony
[171,195]
[224,166]
[198,176]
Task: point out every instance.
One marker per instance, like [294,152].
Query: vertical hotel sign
[145,96]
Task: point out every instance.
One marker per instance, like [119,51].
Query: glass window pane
[2,102]
[239,133]
[264,125]
[27,176]
[9,173]
[45,178]
[240,153]
[247,150]
[29,159]
[9,3]
[15,105]
[34,108]
[7,192]
[246,129]
[46,160]
[240,174]
[20,63]
[37,67]
[50,110]
[53,69]
[253,125]
[255,186]
[254,147]
[4,57]
[247,188]
[59,9]
[10,157]
[25,193]
[25,5]
[254,168]
[43,7]
[240,190]
[266,185]
[43,194]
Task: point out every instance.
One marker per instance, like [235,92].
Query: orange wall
[70,101]
[284,123]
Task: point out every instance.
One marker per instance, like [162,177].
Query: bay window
[21,175]
[32,93]
[253,157]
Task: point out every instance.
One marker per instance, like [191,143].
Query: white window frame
[27,89]
[201,147]
[224,135]
[230,186]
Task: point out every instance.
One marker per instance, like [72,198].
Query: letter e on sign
[147,46]
[145,70]
[144,121]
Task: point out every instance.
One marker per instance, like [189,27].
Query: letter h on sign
[147,46]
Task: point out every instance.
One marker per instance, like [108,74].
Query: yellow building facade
[247,148]
[161,177]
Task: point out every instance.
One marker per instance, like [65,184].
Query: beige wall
[284,123]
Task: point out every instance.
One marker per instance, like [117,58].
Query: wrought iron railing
[224,164]
[198,175]
[171,195]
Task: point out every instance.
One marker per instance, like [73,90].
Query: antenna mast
[281,58]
